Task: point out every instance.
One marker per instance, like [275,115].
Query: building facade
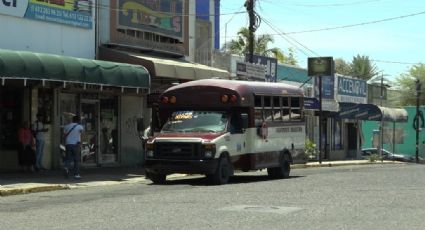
[47,67]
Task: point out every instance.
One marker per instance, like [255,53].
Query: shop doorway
[351,140]
[90,138]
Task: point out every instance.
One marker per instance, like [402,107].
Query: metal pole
[381,136]
[320,119]
[418,93]
[250,9]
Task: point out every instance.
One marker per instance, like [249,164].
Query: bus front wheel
[222,173]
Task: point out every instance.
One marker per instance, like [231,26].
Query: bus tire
[222,173]
[283,170]
[157,178]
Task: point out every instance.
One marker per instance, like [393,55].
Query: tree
[239,46]
[342,67]
[363,68]
[407,84]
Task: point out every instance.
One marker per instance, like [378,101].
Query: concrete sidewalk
[13,183]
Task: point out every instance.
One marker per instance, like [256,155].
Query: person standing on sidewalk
[72,135]
[26,154]
[38,131]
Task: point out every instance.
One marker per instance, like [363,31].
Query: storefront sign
[352,90]
[270,64]
[250,71]
[328,86]
[15,8]
[161,17]
[311,103]
[70,12]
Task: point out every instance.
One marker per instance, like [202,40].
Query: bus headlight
[149,150]
[209,150]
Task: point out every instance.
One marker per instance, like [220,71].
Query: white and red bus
[214,127]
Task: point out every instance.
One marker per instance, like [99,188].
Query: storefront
[109,97]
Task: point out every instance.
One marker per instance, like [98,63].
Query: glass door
[90,137]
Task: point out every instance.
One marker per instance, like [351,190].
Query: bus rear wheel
[222,173]
[282,171]
[157,178]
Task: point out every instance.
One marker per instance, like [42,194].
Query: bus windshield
[196,121]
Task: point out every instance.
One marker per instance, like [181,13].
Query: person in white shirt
[38,130]
[72,135]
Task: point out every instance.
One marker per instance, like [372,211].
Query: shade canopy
[371,112]
[164,67]
[40,66]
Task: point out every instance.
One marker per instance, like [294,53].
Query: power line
[397,62]
[283,35]
[357,24]
[329,5]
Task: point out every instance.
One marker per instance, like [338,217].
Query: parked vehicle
[387,155]
[214,127]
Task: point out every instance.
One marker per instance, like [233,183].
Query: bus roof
[244,87]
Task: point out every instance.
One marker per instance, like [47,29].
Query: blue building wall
[202,13]
[292,73]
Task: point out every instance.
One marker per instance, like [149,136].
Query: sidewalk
[13,183]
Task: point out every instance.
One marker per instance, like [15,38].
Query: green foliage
[373,158]
[407,85]
[360,67]
[363,68]
[310,149]
[240,47]
[342,67]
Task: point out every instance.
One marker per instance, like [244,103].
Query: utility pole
[418,94]
[320,119]
[249,4]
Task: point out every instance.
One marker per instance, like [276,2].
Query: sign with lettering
[352,90]
[161,17]
[269,63]
[328,86]
[251,71]
[70,12]
[15,8]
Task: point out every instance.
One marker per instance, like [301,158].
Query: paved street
[348,197]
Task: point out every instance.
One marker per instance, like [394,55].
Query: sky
[390,32]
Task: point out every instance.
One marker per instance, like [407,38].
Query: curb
[336,164]
[32,188]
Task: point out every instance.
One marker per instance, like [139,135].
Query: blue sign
[328,85]
[311,103]
[352,87]
[269,63]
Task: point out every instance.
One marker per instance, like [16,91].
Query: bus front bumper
[162,166]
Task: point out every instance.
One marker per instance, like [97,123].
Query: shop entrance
[351,140]
[99,117]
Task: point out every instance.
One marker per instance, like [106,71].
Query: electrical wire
[326,5]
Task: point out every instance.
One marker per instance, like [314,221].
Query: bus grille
[178,150]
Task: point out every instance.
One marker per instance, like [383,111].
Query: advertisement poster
[328,86]
[163,17]
[69,12]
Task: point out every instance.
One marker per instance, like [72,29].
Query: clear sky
[392,33]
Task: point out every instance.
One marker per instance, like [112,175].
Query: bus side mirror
[140,125]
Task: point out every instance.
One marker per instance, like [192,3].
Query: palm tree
[363,68]
[240,46]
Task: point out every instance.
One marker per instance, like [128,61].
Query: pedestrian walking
[38,129]
[72,135]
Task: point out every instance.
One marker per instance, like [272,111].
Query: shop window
[45,104]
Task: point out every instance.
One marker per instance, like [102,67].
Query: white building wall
[46,37]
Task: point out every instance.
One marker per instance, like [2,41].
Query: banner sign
[311,103]
[328,86]
[269,63]
[163,17]
[246,70]
[352,90]
[70,12]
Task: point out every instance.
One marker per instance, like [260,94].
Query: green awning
[39,66]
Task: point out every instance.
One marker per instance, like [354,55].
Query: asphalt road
[351,197]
